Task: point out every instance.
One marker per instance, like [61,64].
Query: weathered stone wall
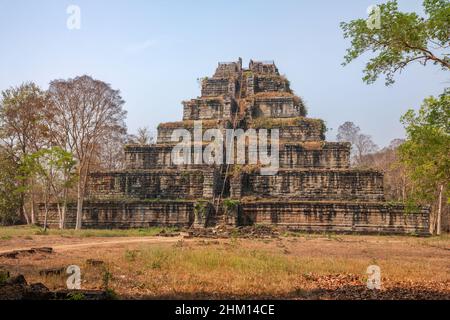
[324,155]
[295,155]
[345,185]
[337,217]
[270,84]
[294,134]
[209,108]
[293,129]
[302,129]
[148,157]
[124,215]
[215,87]
[165,130]
[152,184]
[262,67]
[276,107]
[303,216]
[228,69]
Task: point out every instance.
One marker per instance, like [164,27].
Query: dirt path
[118,241]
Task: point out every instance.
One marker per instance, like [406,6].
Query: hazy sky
[153,51]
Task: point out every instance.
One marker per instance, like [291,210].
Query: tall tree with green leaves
[9,189]
[22,128]
[401,39]
[53,168]
[426,151]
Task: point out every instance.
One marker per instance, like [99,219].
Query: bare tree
[348,132]
[143,136]
[397,185]
[110,154]
[84,112]
[362,144]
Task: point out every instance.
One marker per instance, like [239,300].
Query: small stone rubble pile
[17,288]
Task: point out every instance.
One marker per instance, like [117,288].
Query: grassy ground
[7,233]
[293,266]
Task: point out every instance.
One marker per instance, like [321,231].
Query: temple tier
[314,188]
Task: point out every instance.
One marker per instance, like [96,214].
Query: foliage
[111,294]
[201,209]
[9,190]
[230,206]
[426,153]
[22,115]
[402,39]
[23,128]
[4,275]
[52,167]
[106,278]
[76,296]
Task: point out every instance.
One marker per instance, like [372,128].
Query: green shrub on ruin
[230,206]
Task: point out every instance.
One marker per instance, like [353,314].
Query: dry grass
[7,233]
[293,266]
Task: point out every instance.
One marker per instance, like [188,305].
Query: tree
[397,185]
[110,154]
[348,132]
[53,168]
[22,127]
[9,189]
[144,136]
[362,144]
[426,152]
[85,113]
[403,38]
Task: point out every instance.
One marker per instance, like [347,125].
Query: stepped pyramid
[314,188]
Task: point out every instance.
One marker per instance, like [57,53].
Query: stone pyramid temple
[314,188]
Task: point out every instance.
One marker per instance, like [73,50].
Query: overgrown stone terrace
[314,190]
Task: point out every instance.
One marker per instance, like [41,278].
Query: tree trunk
[33,215]
[439,213]
[46,211]
[404,189]
[82,182]
[59,214]
[63,213]
[79,205]
[45,217]
[23,213]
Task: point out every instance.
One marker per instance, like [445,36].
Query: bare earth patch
[295,266]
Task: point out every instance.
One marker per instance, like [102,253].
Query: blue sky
[153,51]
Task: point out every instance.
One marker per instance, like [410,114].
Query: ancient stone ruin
[314,189]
